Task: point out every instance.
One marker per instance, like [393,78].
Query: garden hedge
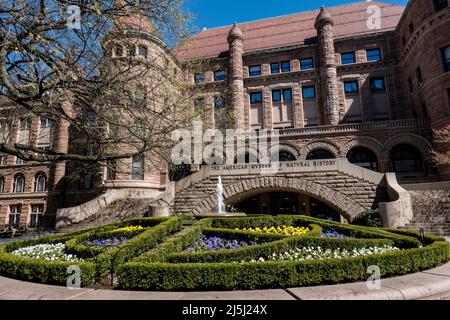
[167,267]
[93,268]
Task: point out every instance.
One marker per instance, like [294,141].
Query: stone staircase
[431,211]
[118,210]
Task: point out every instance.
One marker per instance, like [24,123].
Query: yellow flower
[129,229]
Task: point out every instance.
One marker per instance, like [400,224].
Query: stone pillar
[324,26]
[236,76]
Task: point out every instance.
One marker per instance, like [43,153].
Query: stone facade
[373,110]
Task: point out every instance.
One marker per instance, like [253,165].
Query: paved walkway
[431,284]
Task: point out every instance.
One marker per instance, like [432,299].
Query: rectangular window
[348,58]
[276,95]
[199,104]
[219,75]
[199,78]
[440,5]
[309,92]
[287,94]
[410,87]
[285,66]
[373,55]
[419,77]
[256,97]
[254,71]
[377,85]
[25,124]
[274,68]
[14,215]
[137,168]
[37,211]
[19,160]
[411,28]
[351,87]
[306,64]
[3,160]
[218,102]
[446,58]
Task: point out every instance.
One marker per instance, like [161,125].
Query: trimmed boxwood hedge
[167,267]
[93,269]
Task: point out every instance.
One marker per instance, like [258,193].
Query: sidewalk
[430,284]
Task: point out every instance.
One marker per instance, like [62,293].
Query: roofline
[300,12]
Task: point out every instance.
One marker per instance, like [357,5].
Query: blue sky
[217,13]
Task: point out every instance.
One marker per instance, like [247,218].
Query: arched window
[40,184]
[19,183]
[320,154]
[142,51]
[284,156]
[363,157]
[138,167]
[406,158]
[2,184]
[86,181]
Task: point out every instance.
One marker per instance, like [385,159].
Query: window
[348,58]
[19,184]
[45,122]
[410,87]
[440,5]
[256,97]
[285,156]
[411,28]
[20,161]
[351,87]
[199,78]
[320,154]
[25,124]
[446,58]
[419,77]
[373,55]
[138,167]
[287,94]
[377,85]
[218,102]
[140,96]
[142,51]
[132,50]
[199,104]
[276,95]
[86,181]
[2,184]
[37,211]
[285,66]
[309,92]
[307,63]
[111,170]
[118,51]
[3,160]
[40,184]
[275,68]
[219,75]
[363,157]
[406,159]
[255,71]
[14,215]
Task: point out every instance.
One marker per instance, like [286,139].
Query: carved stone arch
[420,143]
[370,143]
[321,144]
[345,205]
[285,147]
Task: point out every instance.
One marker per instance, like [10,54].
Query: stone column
[324,26]
[236,76]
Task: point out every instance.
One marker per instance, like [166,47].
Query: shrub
[368,218]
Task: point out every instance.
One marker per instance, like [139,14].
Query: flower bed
[346,253]
[51,252]
[106,243]
[283,230]
[206,244]
[313,253]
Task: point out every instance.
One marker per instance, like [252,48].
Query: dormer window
[118,51]
[142,50]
